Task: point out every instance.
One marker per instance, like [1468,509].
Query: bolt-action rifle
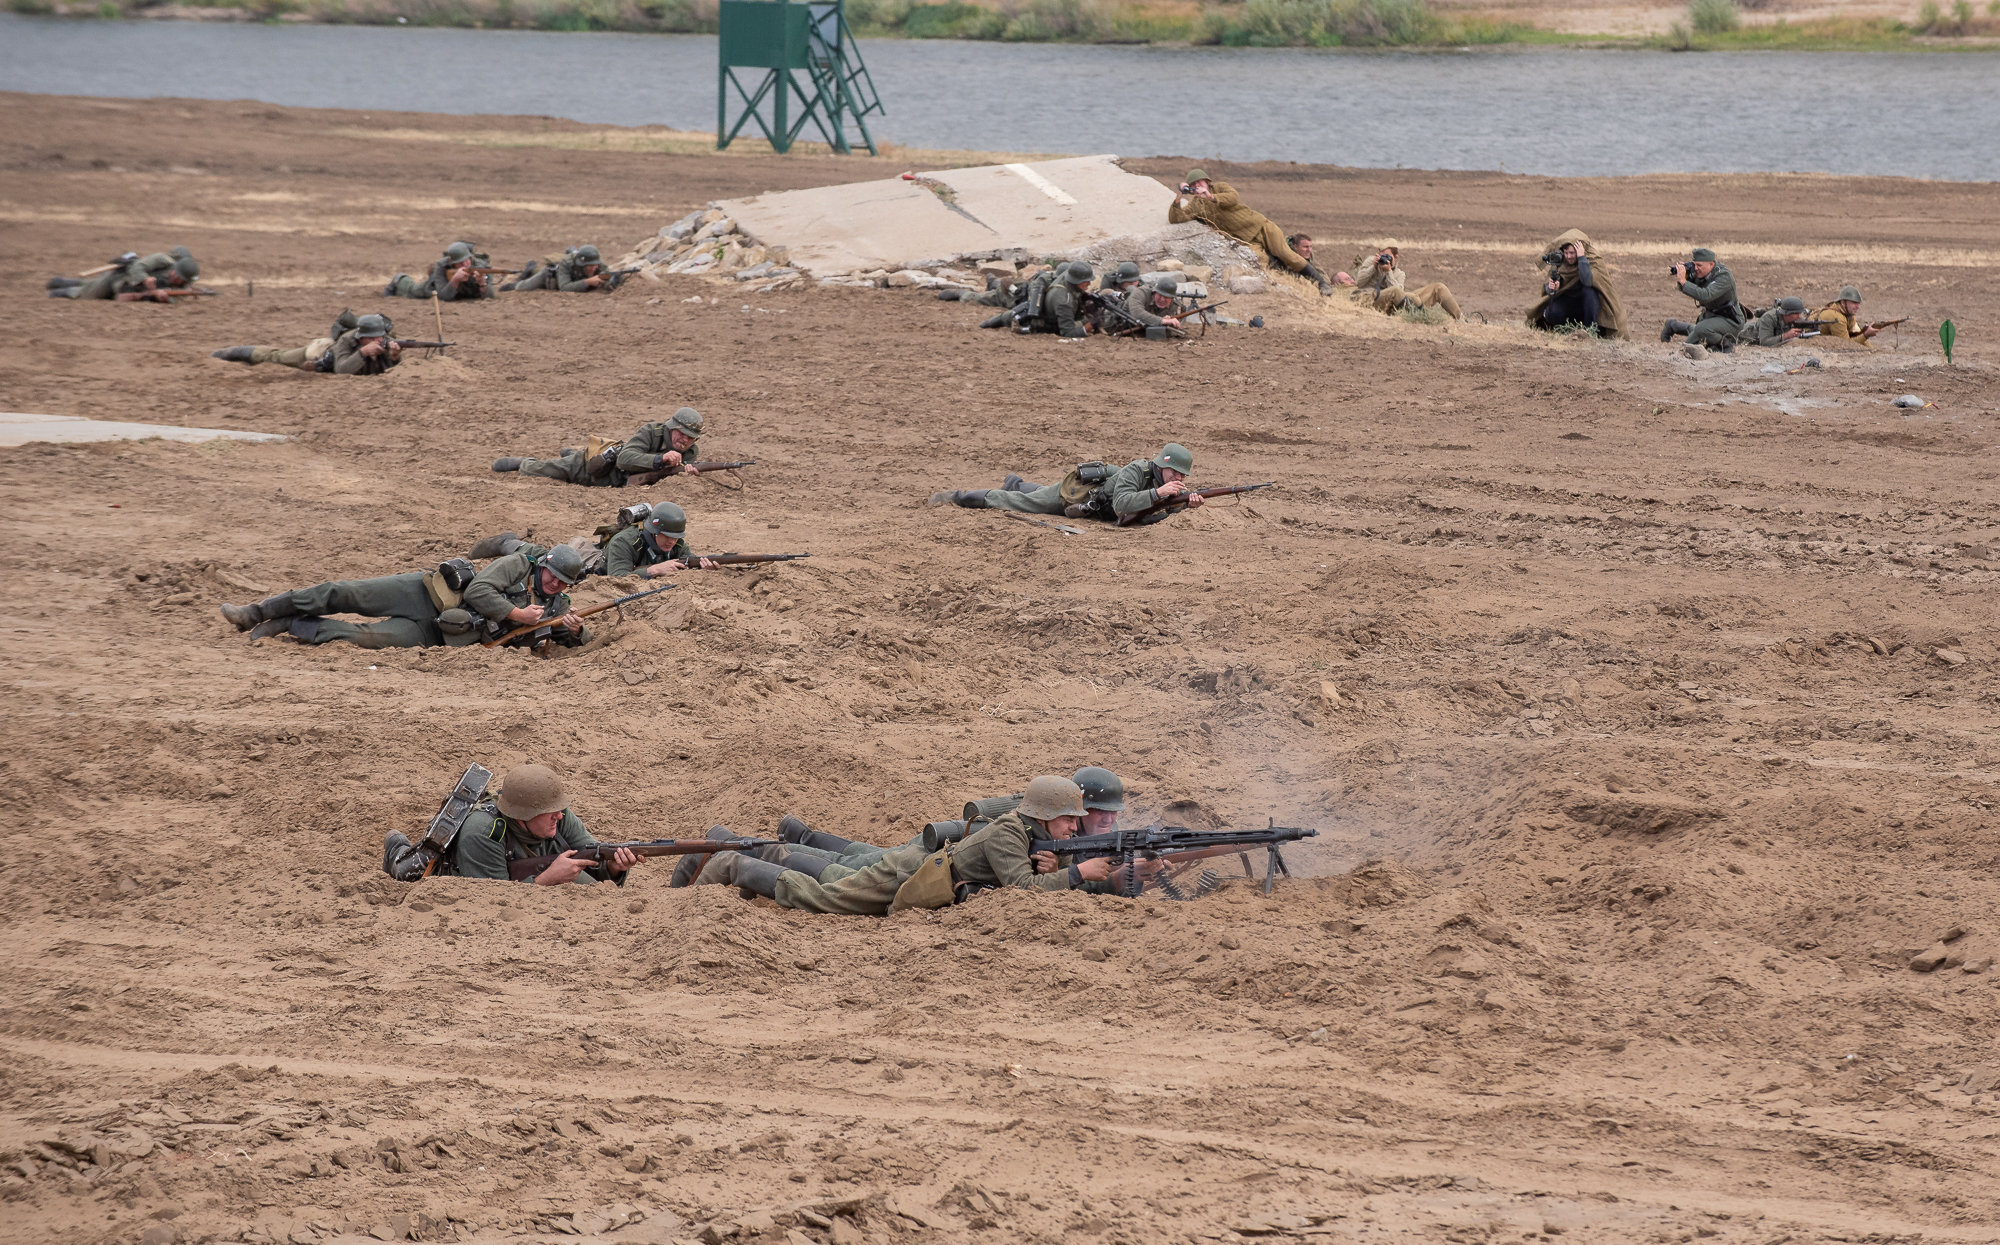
[418,343]
[551,624]
[1173,503]
[530,869]
[1170,843]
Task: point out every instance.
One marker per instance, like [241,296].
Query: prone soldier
[579,271]
[528,818]
[657,546]
[457,275]
[1775,326]
[1093,490]
[424,609]
[357,346]
[659,449]
[1838,321]
[1053,303]
[133,278]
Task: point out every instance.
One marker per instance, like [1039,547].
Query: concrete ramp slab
[17,429]
[1050,207]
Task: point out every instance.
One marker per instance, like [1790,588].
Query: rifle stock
[525,628]
[1172,503]
[531,868]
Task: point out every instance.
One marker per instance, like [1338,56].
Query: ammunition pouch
[459,626]
[933,885]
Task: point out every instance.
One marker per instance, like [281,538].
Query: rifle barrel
[747,559]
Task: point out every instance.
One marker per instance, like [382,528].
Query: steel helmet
[1176,456]
[1078,273]
[666,519]
[187,267]
[566,562]
[531,790]
[1792,306]
[1850,294]
[1101,788]
[1168,286]
[457,252]
[1052,796]
[585,255]
[371,326]
[686,420]
[1128,272]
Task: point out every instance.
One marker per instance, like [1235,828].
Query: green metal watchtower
[780,38]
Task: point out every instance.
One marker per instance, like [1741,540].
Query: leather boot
[278,605]
[1313,274]
[1015,484]
[690,866]
[1001,321]
[395,845]
[270,627]
[63,283]
[389,290]
[506,464]
[792,830]
[305,630]
[970,498]
[754,877]
[1675,328]
[233,354]
[495,546]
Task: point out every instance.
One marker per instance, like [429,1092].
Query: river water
[1542,110]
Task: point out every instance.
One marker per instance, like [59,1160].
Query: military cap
[1052,796]
[1850,294]
[1196,175]
[687,420]
[1702,255]
[181,252]
[565,563]
[371,326]
[531,790]
[1078,272]
[1127,272]
[1169,285]
[457,252]
[1176,456]
[666,519]
[586,254]
[1101,788]
[1792,306]
[187,267]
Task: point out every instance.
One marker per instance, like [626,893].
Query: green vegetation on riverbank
[1708,24]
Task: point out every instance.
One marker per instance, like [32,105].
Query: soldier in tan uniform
[1378,281]
[1217,203]
[1837,319]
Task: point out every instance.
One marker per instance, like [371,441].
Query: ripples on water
[1540,110]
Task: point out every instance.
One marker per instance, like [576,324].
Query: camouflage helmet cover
[1176,456]
[1052,796]
[1101,788]
[531,790]
[565,563]
[666,519]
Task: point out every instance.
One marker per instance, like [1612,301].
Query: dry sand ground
[1646,708]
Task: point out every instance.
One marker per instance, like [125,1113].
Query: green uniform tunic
[1062,312]
[490,840]
[568,276]
[439,283]
[638,454]
[631,551]
[1769,329]
[513,582]
[340,355]
[1135,487]
[1721,317]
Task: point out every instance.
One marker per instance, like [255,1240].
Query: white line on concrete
[1042,184]
[18,429]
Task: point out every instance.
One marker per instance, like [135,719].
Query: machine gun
[1172,503]
[1171,843]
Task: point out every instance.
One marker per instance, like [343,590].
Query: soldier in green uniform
[998,855]
[657,547]
[1709,284]
[665,447]
[358,346]
[528,819]
[577,272]
[454,277]
[1148,304]
[424,609]
[138,279]
[1778,325]
[1053,303]
[1091,490]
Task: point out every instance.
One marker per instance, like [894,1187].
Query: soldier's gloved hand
[563,871]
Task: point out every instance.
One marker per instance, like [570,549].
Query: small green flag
[1947,334]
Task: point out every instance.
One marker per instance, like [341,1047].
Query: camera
[1553,258]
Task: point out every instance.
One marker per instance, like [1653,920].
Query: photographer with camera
[1217,204]
[1709,284]
[1378,280]
[1578,290]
